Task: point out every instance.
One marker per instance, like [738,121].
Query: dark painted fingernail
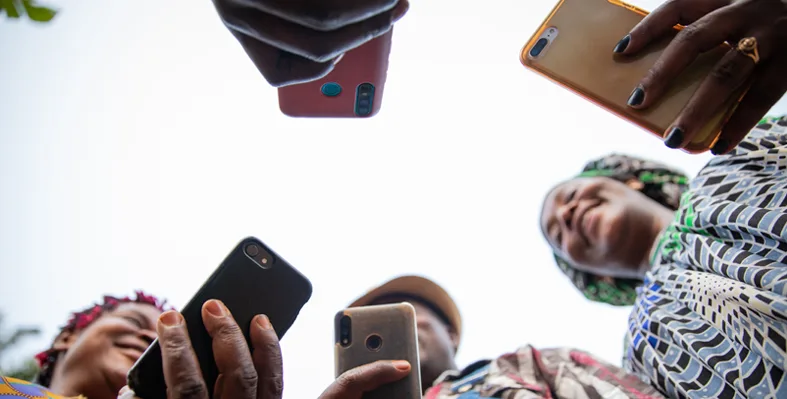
[674,138]
[720,147]
[636,97]
[170,319]
[215,308]
[622,44]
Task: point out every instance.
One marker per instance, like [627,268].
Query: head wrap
[82,319]
[661,183]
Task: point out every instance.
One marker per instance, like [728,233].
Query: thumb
[126,393]
[354,383]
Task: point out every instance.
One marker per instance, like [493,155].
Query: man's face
[437,341]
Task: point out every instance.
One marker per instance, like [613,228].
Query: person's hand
[242,374]
[708,24]
[298,41]
[354,383]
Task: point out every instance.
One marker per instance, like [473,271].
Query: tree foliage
[17,8]
[27,370]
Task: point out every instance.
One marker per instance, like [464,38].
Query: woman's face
[599,224]
[97,358]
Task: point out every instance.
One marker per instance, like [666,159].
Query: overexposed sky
[138,145]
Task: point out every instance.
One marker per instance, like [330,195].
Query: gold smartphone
[573,48]
[367,334]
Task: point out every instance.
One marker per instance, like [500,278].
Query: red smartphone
[354,89]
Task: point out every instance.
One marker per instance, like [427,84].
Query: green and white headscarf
[661,183]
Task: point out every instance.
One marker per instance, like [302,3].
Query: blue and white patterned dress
[710,320]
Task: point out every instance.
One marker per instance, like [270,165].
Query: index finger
[267,358]
[707,33]
[354,383]
[182,373]
[662,21]
[230,351]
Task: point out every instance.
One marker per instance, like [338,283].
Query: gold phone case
[395,327]
[579,57]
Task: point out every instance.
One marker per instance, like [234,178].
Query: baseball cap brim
[419,287]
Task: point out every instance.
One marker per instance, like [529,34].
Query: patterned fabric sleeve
[12,388]
[711,317]
[568,373]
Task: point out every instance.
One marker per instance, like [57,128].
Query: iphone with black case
[367,334]
[252,280]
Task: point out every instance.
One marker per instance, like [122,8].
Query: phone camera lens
[331,89]
[345,331]
[374,342]
[252,250]
[538,47]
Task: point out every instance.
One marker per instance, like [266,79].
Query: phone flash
[264,260]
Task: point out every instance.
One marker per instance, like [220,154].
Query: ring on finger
[748,47]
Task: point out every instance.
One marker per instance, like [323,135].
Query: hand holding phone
[252,280]
[242,375]
[293,42]
[757,58]
[369,334]
[574,48]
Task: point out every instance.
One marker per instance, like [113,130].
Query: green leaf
[10,8]
[38,14]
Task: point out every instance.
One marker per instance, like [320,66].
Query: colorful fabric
[12,388]
[710,320]
[657,181]
[529,373]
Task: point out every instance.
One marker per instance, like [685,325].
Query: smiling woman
[93,352]
[706,274]
[602,223]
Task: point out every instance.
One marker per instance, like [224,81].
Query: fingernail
[170,318]
[399,12]
[401,365]
[674,138]
[636,97]
[720,147]
[622,44]
[215,308]
[126,393]
[264,322]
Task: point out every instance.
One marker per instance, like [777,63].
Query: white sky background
[138,145]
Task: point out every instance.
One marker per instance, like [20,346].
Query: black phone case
[278,291]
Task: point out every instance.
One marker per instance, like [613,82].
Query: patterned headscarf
[80,320]
[657,181]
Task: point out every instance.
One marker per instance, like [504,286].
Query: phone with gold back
[573,48]
[367,334]
[353,89]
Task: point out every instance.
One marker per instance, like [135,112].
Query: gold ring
[748,47]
